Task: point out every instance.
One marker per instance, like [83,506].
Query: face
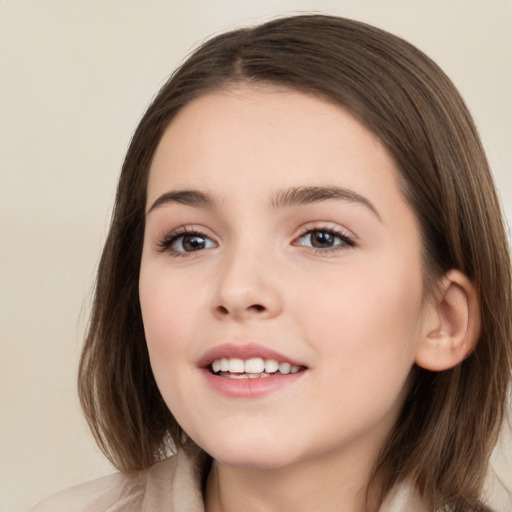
[281,279]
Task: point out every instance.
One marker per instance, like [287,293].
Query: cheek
[367,323]
[166,314]
[367,336]
[169,306]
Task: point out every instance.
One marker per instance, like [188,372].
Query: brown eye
[190,242]
[324,239]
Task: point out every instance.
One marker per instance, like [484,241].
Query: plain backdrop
[75,77]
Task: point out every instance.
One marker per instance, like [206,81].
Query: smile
[253,368]
[249,370]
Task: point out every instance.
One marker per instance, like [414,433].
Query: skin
[353,314]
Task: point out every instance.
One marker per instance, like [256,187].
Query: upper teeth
[253,365]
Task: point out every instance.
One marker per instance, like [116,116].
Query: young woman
[305,291]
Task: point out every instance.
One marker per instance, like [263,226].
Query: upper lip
[243,351]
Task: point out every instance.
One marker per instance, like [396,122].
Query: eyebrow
[297,196]
[307,195]
[187,197]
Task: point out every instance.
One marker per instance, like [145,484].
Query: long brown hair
[449,421]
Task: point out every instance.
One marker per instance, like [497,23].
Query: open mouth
[253,368]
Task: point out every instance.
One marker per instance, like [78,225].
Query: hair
[449,421]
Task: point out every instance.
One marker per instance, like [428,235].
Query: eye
[191,242]
[186,241]
[324,239]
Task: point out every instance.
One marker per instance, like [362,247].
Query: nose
[247,288]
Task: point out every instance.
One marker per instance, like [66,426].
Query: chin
[249,454]
[252,461]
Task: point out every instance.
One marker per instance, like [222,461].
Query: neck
[329,484]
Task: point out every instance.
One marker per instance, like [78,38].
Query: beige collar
[185,472]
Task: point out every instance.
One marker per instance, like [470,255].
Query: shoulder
[174,483]
[98,495]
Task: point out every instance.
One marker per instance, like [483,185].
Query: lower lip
[250,388]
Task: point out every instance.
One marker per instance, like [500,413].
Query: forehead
[254,139]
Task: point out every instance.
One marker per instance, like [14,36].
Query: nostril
[225,311]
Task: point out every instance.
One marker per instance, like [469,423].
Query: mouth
[252,368]
[249,370]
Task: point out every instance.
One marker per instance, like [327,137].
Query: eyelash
[346,241]
[165,244]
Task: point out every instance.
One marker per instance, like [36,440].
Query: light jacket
[172,485]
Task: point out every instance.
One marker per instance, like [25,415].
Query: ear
[452,324]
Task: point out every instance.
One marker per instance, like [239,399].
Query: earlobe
[452,328]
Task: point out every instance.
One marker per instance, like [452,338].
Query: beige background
[75,76]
